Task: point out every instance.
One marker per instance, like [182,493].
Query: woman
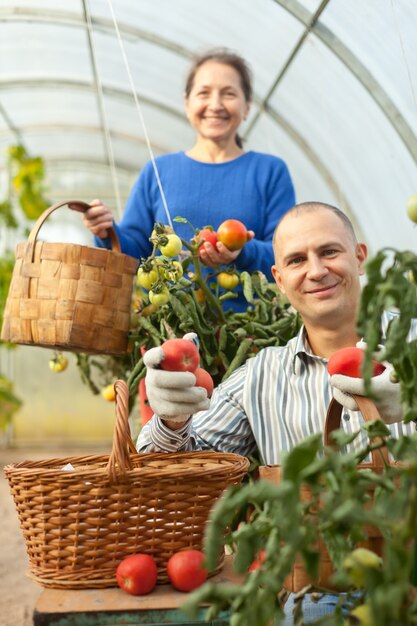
[213,181]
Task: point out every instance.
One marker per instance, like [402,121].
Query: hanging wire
[104,122]
[139,109]
[407,67]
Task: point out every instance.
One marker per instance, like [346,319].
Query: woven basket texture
[78,525]
[68,296]
[298,577]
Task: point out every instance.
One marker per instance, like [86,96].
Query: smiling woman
[215,180]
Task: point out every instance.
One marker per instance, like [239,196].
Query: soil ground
[18,593]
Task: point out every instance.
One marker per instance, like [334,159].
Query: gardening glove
[385,390]
[172,395]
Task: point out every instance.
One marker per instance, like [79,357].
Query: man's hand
[172,395]
[385,391]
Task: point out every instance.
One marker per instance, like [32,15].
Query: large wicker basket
[78,524]
[298,578]
[70,297]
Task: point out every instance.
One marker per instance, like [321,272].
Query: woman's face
[216,104]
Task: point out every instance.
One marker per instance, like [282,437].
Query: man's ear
[277,277]
[361,255]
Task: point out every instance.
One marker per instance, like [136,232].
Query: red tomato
[137,574]
[186,571]
[204,380]
[233,234]
[180,355]
[348,361]
[256,564]
[206,234]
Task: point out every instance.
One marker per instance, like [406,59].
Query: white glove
[172,395]
[386,393]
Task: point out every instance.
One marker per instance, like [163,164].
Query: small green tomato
[411,208]
[146,279]
[357,562]
[160,297]
[172,247]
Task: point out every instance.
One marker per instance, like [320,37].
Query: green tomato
[228,280]
[357,562]
[411,208]
[158,298]
[173,274]
[173,247]
[363,615]
[147,279]
[59,363]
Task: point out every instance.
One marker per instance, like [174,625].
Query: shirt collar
[303,352]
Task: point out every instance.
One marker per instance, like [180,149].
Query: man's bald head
[311,207]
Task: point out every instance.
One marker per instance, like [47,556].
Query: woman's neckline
[236,158]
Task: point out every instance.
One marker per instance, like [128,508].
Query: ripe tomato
[108,392]
[59,363]
[158,298]
[349,362]
[256,564]
[137,574]
[204,380]
[206,234]
[186,571]
[228,280]
[172,247]
[180,355]
[233,234]
[146,279]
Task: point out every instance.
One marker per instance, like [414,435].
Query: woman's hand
[219,254]
[98,219]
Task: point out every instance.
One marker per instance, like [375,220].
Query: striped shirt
[270,404]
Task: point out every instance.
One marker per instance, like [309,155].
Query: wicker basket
[79,524]
[68,296]
[298,578]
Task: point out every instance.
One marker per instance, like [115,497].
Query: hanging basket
[70,297]
[79,523]
[298,577]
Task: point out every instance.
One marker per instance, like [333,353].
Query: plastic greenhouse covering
[335,94]
[84,82]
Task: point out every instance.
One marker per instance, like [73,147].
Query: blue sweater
[254,188]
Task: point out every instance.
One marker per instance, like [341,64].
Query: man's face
[317,266]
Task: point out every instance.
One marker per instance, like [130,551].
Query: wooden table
[113,607]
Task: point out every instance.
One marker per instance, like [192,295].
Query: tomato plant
[180,355]
[233,234]
[349,362]
[228,280]
[186,570]
[137,574]
[203,379]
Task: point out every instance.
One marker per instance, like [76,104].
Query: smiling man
[281,395]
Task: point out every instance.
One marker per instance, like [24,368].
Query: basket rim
[213,465]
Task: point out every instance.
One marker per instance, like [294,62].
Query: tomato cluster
[137,574]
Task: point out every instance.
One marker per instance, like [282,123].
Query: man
[281,396]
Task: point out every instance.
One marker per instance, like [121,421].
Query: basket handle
[380,458]
[120,461]
[75,205]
